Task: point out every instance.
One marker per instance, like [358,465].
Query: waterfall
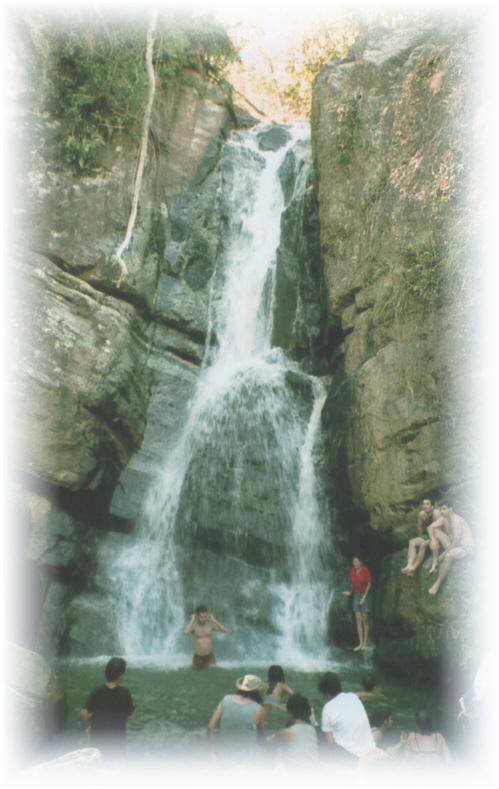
[236,518]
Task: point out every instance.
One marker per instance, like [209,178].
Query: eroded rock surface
[390,134]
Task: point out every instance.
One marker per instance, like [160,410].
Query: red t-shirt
[360,578]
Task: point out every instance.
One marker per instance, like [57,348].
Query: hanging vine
[118,255]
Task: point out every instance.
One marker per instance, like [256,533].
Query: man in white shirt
[344,719]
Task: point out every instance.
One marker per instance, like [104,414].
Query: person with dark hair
[277,688]
[424,746]
[298,741]
[107,710]
[240,718]
[344,719]
[417,546]
[381,720]
[201,627]
[360,579]
[371,692]
[452,533]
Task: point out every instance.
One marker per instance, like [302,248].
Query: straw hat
[251,682]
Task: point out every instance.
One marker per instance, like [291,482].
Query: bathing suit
[203,661]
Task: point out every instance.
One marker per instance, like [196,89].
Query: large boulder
[36,702]
[416,629]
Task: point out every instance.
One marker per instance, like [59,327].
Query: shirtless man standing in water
[201,627]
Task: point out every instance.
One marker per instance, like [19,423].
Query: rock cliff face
[390,129]
[106,370]
[103,365]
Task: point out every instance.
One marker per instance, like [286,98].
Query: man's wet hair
[424,722]
[299,708]
[201,609]
[330,684]
[445,503]
[379,716]
[115,668]
[368,682]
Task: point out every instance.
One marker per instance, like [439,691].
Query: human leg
[437,538]
[450,557]
[365,629]
[415,555]
[358,622]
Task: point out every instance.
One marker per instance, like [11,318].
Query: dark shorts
[203,661]
[365,608]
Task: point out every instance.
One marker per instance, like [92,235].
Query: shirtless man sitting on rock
[201,627]
[418,545]
[452,533]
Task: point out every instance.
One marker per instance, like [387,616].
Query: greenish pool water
[173,707]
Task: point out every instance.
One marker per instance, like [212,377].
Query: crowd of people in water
[351,730]
[352,727]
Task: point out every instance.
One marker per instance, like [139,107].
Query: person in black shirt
[107,710]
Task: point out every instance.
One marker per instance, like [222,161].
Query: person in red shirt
[360,578]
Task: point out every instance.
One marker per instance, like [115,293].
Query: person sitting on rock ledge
[417,546]
[452,533]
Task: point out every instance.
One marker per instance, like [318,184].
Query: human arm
[393,750]
[189,628]
[214,721]
[438,523]
[368,587]
[131,707]
[260,721]
[86,715]
[421,523]
[280,737]
[286,689]
[217,625]
[328,737]
[366,578]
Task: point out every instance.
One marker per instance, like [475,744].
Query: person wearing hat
[240,717]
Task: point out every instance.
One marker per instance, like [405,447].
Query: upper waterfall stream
[236,518]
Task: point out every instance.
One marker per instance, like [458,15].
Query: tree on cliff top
[95,81]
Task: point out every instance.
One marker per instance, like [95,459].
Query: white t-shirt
[345,717]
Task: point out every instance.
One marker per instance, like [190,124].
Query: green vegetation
[95,82]
[419,282]
[325,41]
[346,131]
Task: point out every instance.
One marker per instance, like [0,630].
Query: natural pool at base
[173,706]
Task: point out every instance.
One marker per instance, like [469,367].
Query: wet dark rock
[92,627]
[273,138]
[299,319]
[421,627]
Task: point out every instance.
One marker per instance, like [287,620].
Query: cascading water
[236,518]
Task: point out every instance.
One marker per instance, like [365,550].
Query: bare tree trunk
[142,152]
